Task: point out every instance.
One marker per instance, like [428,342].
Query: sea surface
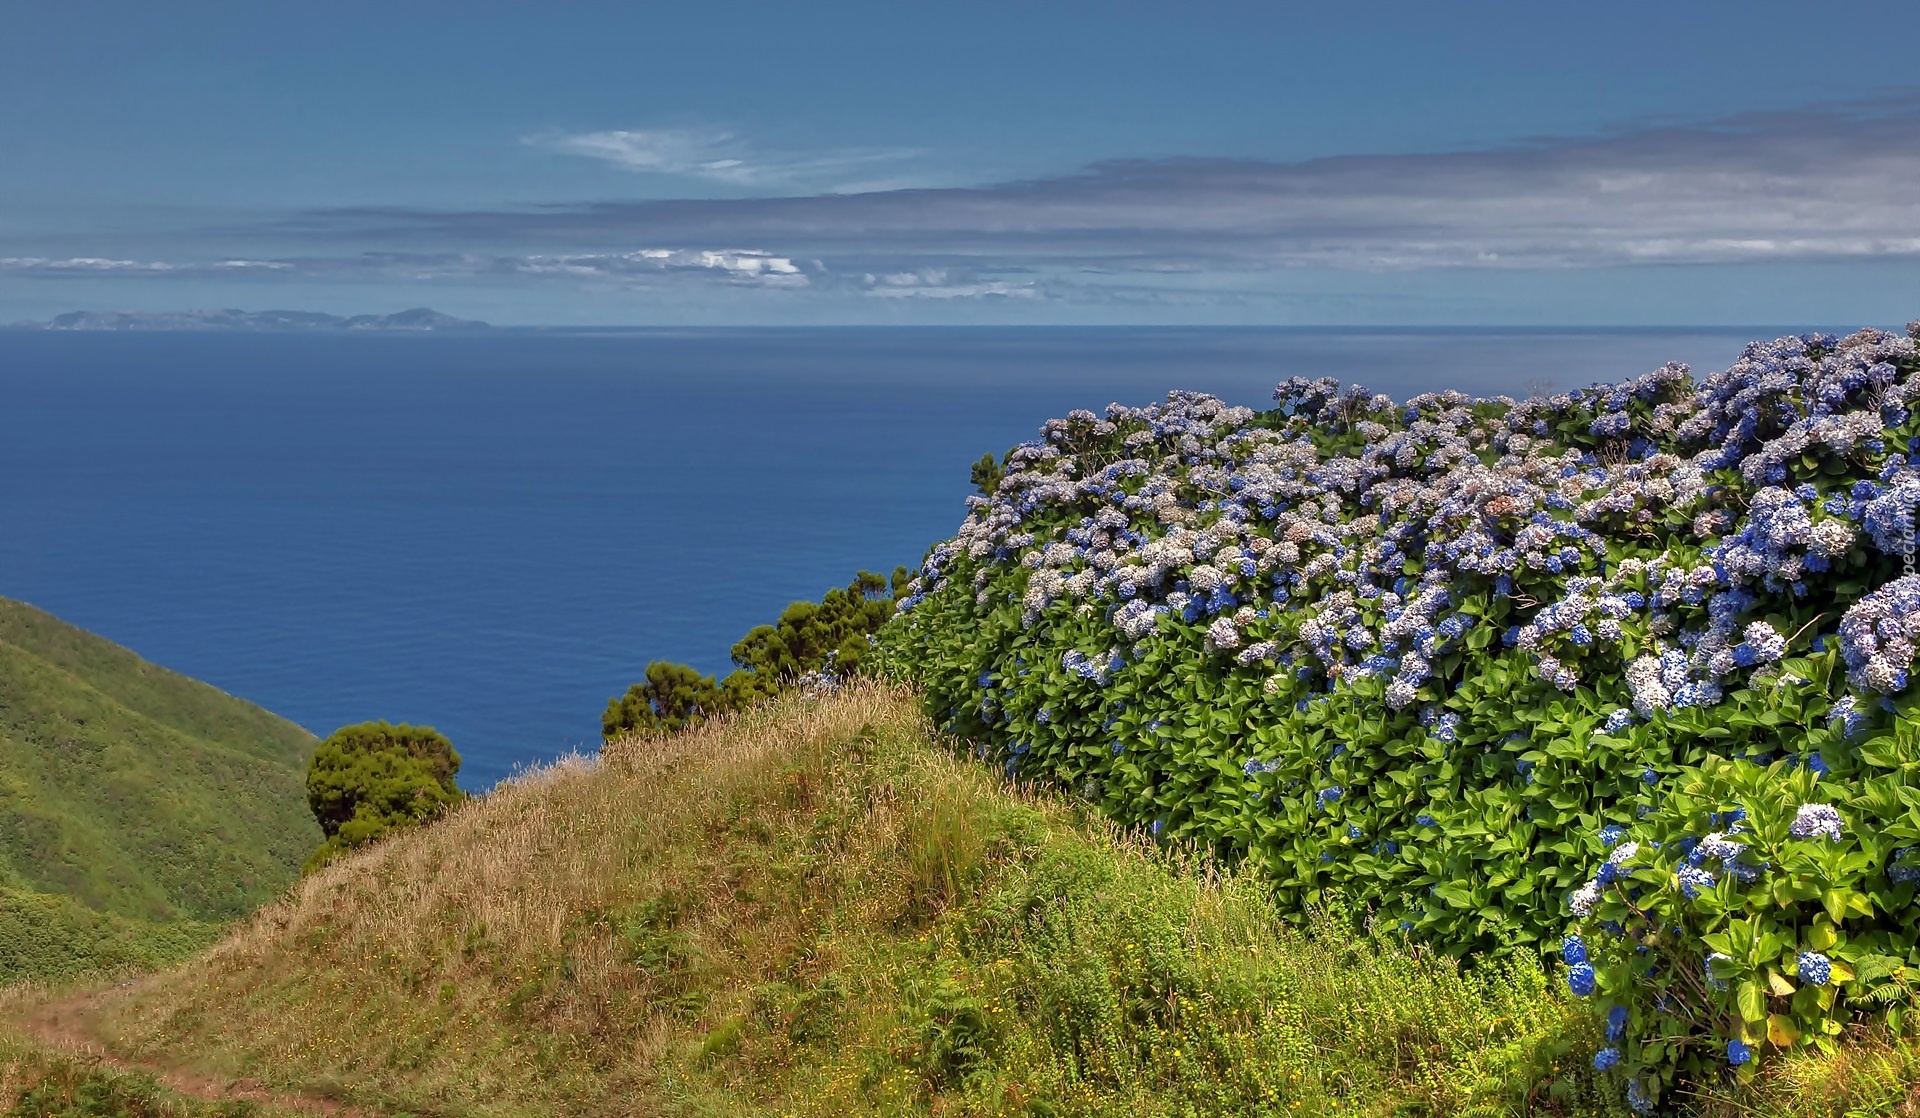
[492,534]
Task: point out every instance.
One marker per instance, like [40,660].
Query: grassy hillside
[137,806]
[813,908]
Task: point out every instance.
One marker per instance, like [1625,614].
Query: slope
[132,798]
[812,908]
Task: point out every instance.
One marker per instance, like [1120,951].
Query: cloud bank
[1833,183]
[1830,182]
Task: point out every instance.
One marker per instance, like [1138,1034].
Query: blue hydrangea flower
[1581,980]
[1573,950]
[1617,1024]
[1693,879]
[1816,820]
[1738,1053]
[1606,1059]
[1637,1097]
[1815,969]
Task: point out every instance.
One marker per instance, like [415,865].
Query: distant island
[417,319]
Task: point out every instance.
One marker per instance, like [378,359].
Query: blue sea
[494,533]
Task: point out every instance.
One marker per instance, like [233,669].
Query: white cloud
[935,283]
[740,266]
[721,156]
[97,265]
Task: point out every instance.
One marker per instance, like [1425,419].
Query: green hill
[138,808]
[813,908]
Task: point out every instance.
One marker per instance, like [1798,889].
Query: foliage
[157,805]
[815,909]
[35,1084]
[1734,918]
[986,474]
[1428,656]
[812,644]
[671,698]
[50,938]
[369,779]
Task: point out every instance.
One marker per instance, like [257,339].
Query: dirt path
[67,1026]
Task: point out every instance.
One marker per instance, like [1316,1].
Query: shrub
[672,697]
[372,778]
[811,643]
[1440,656]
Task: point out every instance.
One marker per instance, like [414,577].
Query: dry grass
[809,909]
[552,940]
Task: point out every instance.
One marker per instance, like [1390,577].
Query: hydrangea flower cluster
[1411,651]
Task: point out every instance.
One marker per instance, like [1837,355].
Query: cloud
[80,266]
[936,283]
[1828,182]
[721,156]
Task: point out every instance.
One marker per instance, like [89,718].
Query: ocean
[493,533]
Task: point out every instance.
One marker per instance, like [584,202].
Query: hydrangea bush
[1621,671]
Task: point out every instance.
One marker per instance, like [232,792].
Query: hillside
[137,807]
[815,908]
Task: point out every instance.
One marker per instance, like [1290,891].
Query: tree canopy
[372,778]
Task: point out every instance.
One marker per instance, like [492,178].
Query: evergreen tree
[369,779]
[672,697]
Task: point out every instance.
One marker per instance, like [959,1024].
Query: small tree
[830,634]
[672,697]
[987,474]
[367,780]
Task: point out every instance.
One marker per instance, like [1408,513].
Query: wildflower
[1606,1059]
[1816,819]
[1815,968]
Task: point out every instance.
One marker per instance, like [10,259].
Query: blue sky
[723,163]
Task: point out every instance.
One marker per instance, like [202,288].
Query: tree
[828,635]
[373,778]
[672,697]
[987,474]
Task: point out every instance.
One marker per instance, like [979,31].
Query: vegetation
[814,909]
[671,698]
[137,807]
[36,1082]
[373,778]
[1630,663]
[829,638]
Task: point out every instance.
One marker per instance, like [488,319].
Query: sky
[1372,162]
